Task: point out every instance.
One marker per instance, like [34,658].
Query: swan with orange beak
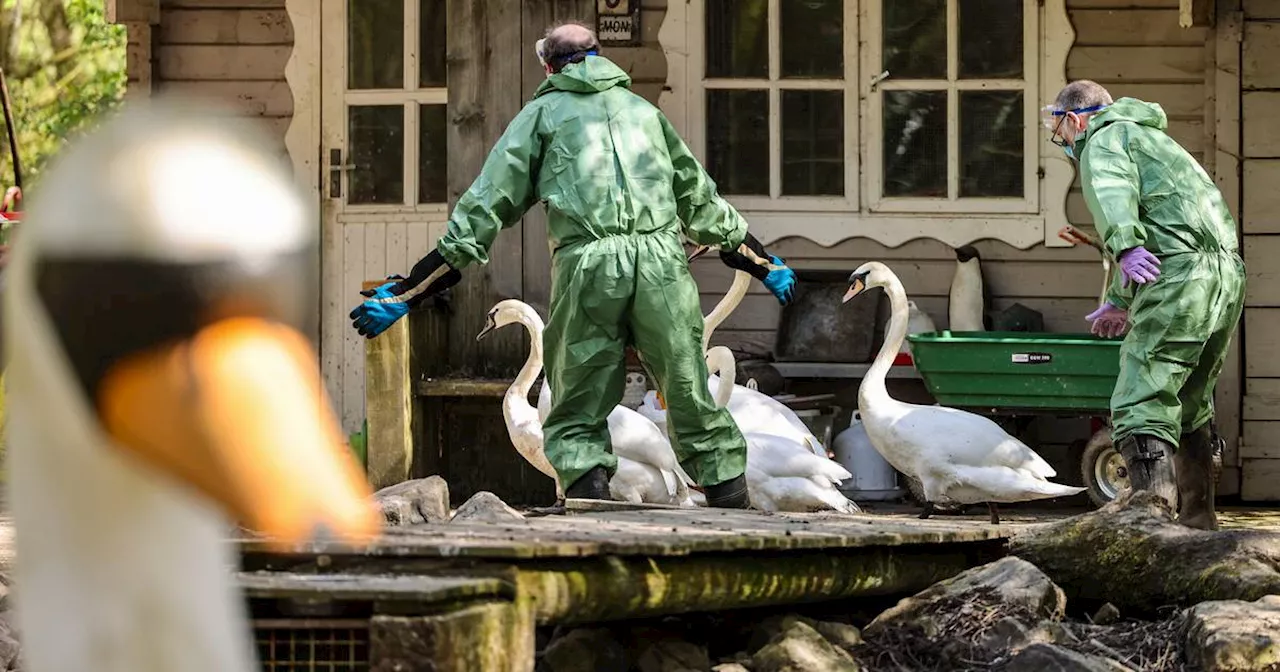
[160,391]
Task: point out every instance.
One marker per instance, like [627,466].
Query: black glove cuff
[755,246]
[739,261]
[430,276]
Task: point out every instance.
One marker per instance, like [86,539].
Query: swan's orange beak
[854,290]
[238,413]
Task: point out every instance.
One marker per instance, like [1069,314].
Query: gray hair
[568,43]
[1080,94]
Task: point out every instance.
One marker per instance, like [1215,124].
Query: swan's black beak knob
[698,252]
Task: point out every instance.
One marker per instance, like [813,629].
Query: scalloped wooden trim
[1056,37]
[302,72]
[829,229]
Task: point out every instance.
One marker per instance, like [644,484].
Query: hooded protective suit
[620,186]
[1142,188]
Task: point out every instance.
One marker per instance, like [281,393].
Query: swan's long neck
[722,363]
[873,386]
[737,290]
[533,364]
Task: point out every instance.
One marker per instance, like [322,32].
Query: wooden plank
[1121,4]
[1260,481]
[1262,9]
[644,64]
[462,387]
[1180,101]
[397,248]
[1222,115]
[1189,133]
[222,62]
[169,5]
[248,98]
[1132,27]
[1195,13]
[226,26]
[1262,348]
[1260,55]
[351,402]
[1261,140]
[1109,64]
[1261,197]
[1262,285]
[1263,407]
[132,11]
[388,394]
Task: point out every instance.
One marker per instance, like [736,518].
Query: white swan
[637,479]
[958,457]
[782,475]
[918,322]
[965,309]
[751,410]
[129,459]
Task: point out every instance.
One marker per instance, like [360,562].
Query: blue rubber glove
[373,316]
[1108,321]
[1138,265]
[782,282]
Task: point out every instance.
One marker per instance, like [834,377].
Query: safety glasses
[1053,117]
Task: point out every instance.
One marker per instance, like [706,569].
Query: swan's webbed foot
[928,510]
[995,514]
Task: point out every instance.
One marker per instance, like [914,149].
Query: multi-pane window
[395,102]
[780,91]
[928,104]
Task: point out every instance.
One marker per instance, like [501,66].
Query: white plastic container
[874,479]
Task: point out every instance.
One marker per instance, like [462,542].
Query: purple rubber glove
[1139,265]
[1108,321]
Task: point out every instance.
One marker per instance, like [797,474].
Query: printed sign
[618,22]
[1032,357]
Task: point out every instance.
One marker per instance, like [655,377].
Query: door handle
[336,168]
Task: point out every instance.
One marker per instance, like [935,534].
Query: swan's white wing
[964,439]
[973,485]
[781,456]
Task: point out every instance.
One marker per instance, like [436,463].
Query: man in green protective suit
[620,187]
[1179,291]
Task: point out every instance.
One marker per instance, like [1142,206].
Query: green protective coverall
[619,186]
[1142,188]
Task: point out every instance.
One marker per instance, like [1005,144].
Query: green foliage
[65,67]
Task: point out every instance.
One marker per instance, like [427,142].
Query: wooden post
[388,404]
[1195,13]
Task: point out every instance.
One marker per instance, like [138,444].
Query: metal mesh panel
[297,645]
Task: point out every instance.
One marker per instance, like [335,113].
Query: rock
[1053,632]
[424,500]
[799,648]
[1107,614]
[730,667]
[1234,635]
[774,627]
[486,507]
[585,650]
[9,649]
[1107,555]
[1009,582]
[673,655]
[842,635]
[1050,658]
[1008,634]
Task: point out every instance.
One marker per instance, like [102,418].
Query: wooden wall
[1260,84]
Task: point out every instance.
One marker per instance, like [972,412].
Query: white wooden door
[383,164]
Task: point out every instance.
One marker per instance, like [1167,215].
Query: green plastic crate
[1018,370]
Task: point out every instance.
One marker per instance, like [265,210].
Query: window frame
[681,37]
[410,96]
[873,94]
[696,137]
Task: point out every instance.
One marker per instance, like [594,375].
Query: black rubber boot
[1150,464]
[732,494]
[592,485]
[1193,467]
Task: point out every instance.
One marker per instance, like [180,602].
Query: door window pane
[991,39]
[813,143]
[811,38]
[915,143]
[375,44]
[737,38]
[991,144]
[375,135]
[433,174]
[915,38]
[431,44]
[738,141]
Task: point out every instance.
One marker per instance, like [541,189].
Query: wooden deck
[472,593]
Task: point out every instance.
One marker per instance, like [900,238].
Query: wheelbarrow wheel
[1102,469]
[916,488]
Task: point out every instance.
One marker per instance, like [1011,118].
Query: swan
[158,396]
[782,475]
[751,409]
[637,478]
[965,310]
[957,456]
[918,322]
